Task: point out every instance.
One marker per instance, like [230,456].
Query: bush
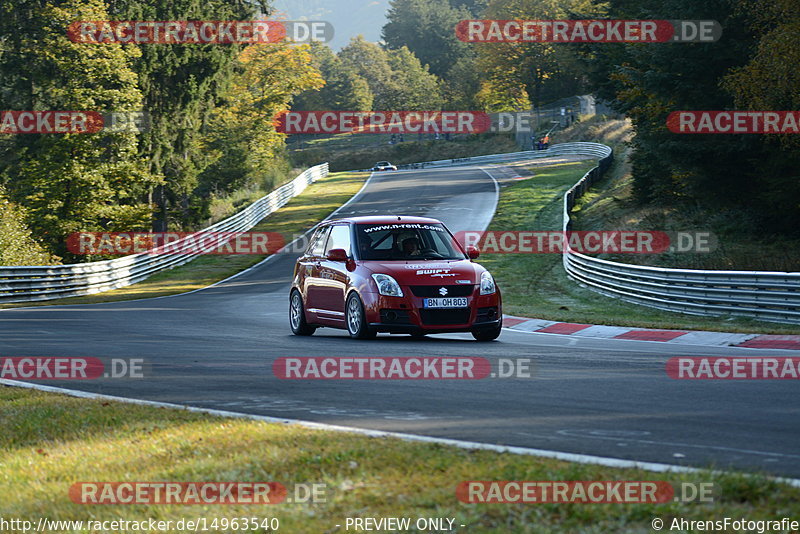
[17,246]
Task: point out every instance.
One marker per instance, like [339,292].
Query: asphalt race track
[214,348]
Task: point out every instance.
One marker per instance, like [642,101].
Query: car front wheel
[356,318]
[297,316]
[489,334]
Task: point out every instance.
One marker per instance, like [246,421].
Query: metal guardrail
[28,284]
[562,149]
[772,296]
[37,283]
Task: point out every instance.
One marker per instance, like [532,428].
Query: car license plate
[449,302]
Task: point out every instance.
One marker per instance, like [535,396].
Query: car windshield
[383,164]
[406,241]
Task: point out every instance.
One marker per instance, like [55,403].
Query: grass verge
[318,201]
[742,242]
[53,441]
[535,285]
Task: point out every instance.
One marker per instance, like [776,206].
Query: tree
[500,94]
[17,245]
[243,135]
[462,84]
[769,81]
[396,77]
[427,28]
[182,85]
[413,87]
[69,182]
[475,7]
[344,89]
[370,62]
[647,82]
[532,65]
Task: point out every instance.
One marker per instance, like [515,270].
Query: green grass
[535,285]
[342,141]
[742,243]
[50,442]
[610,130]
[318,201]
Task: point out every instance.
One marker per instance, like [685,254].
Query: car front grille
[463,290]
[444,316]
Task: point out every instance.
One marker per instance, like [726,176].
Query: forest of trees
[751,67]
[211,107]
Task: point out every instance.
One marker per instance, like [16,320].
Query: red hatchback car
[392,274]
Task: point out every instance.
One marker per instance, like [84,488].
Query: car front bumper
[407,314]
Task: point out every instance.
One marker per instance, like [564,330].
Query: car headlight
[487,284]
[387,286]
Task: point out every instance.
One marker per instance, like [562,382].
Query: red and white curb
[685,337]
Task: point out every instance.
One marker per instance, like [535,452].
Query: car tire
[297,316]
[487,334]
[356,319]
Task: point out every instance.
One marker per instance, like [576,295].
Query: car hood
[429,272]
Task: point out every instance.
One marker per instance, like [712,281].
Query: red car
[392,274]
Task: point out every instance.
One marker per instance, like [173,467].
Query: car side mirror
[473,253]
[337,254]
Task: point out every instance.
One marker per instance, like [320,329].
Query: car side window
[317,245]
[340,238]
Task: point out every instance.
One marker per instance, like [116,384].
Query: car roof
[385,219]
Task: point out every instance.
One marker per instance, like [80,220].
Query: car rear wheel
[487,334]
[356,319]
[297,316]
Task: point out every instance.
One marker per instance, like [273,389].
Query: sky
[349,17]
